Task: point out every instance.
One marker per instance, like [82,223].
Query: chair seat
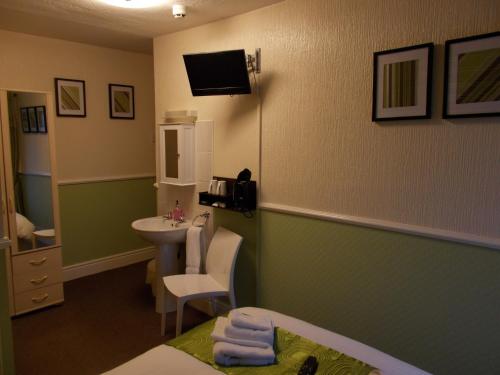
[193,285]
[221,260]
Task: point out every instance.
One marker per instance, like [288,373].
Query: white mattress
[167,360]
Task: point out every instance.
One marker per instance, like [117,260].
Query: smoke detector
[179,10]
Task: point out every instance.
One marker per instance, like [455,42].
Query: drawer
[38,260]
[37,278]
[35,299]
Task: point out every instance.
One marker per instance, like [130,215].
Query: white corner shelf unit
[177,154]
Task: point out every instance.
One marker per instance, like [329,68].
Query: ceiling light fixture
[135,4]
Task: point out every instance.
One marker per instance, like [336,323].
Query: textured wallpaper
[320,149]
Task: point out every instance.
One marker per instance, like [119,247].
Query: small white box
[185,116]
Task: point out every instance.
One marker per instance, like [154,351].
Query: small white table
[47,234]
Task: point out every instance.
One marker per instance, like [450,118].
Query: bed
[165,359]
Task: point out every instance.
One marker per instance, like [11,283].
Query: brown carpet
[106,319]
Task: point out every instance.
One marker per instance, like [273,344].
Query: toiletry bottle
[177,214]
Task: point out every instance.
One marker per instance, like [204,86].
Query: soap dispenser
[177,215]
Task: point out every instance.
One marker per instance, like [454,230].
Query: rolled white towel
[218,334]
[228,354]
[242,320]
[194,247]
[250,334]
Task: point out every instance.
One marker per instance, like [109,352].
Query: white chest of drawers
[37,279]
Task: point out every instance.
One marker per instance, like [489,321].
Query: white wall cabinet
[177,154]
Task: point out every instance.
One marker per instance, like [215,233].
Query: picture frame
[70,97]
[472,76]
[121,101]
[32,120]
[41,119]
[25,124]
[402,83]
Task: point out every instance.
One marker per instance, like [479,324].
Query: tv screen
[218,73]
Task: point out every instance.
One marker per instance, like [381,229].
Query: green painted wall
[5,325]
[246,263]
[96,217]
[435,304]
[37,198]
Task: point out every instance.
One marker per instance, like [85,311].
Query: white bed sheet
[167,360]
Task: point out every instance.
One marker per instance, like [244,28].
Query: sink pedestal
[166,265]
[166,235]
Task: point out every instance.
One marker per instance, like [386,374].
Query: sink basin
[160,231]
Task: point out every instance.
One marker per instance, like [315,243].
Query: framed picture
[472,76]
[121,101]
[25,124]
[32,119]
[402,80]
[41,119]
[70,97]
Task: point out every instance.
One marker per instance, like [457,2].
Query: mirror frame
[7,168]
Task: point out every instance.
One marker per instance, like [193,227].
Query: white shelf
[178,184]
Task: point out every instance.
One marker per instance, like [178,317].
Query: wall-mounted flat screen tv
[218,73]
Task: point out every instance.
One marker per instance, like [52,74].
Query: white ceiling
[95,22]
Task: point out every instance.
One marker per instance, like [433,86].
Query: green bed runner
[291,351]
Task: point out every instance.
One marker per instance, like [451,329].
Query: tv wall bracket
[253,61]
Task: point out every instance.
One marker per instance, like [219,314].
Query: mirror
[171,154]
[31,170]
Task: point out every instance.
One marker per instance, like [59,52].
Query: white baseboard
[94,266]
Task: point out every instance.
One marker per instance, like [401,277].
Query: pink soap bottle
[177,215]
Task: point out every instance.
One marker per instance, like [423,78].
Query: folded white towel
[228,354]
[195,244]
[242,320]
[249,334]
[221,324]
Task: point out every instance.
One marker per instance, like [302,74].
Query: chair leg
[163,323]
[180,310]
[213,308]
[232,300]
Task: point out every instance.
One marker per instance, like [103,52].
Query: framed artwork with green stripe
[402,80]
[70,97]
[121,101]
[472,76]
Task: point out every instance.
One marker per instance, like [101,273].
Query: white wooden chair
[221,260]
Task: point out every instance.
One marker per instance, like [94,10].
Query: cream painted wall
[320,149]
[95,146]
[235,134]
[236,127]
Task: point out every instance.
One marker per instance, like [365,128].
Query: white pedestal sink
[166,235]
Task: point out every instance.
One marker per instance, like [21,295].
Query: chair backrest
[221,256]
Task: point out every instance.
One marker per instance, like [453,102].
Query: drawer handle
[39,281]
[40,299]
[38,262]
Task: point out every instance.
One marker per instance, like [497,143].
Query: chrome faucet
[205,215]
